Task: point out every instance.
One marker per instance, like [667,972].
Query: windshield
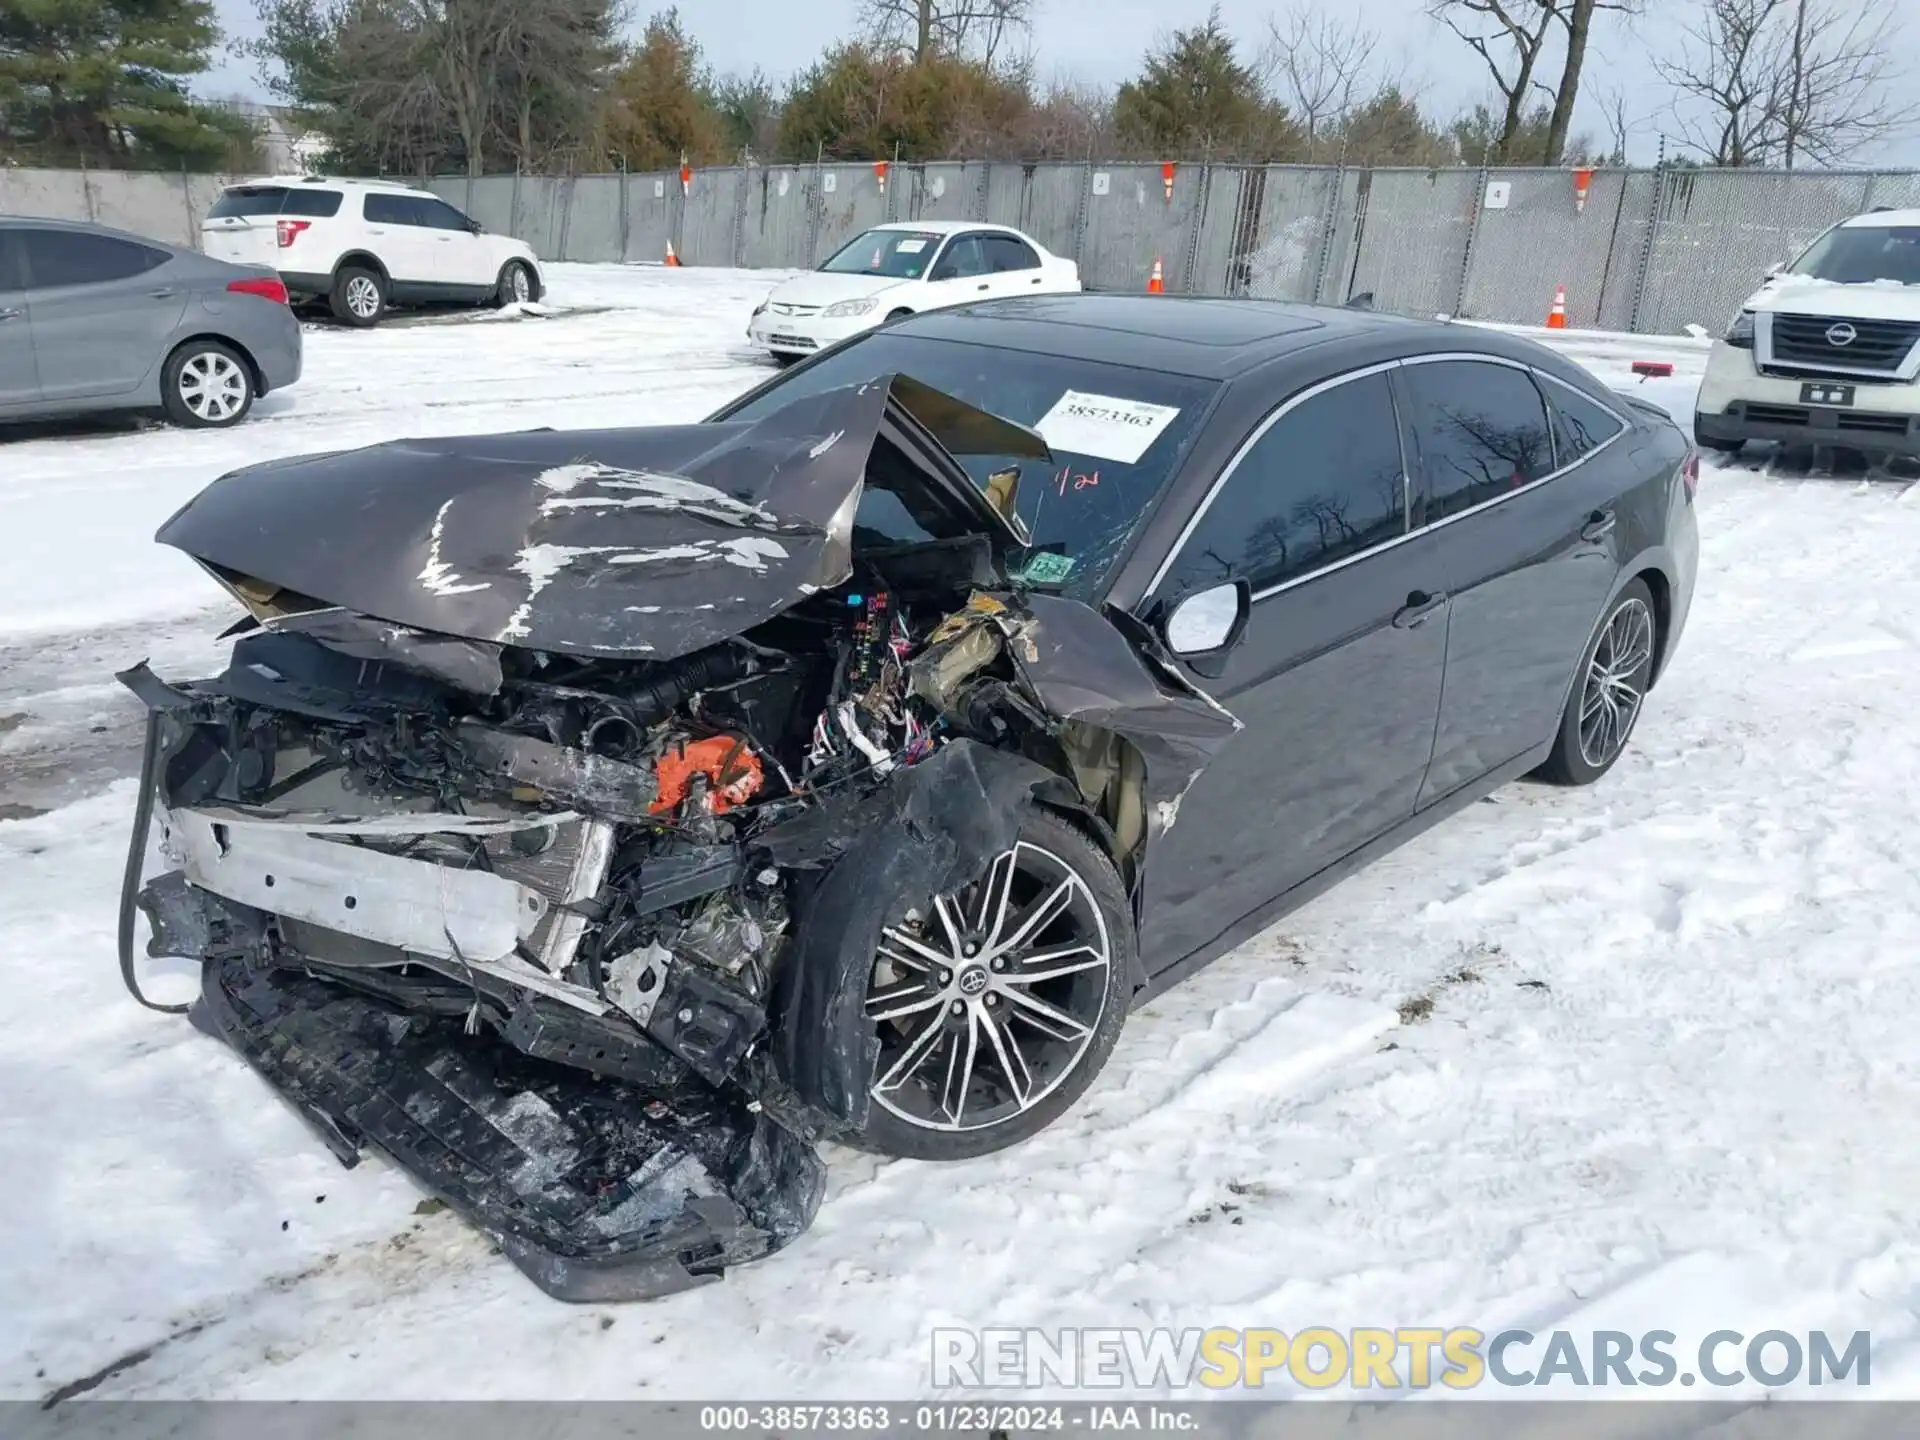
[896,254]
[1116,433]
[1862,254]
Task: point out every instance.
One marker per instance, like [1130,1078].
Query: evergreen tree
[104,82]
[1194,98]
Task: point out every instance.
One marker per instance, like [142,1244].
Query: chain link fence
[1653,251]
[1650,251]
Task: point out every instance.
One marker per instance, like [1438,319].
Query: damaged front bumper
[596,1189]
[602,1164]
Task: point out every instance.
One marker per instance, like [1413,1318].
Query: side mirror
[474,227]
[942,272]
[1209,621]
[1773,270]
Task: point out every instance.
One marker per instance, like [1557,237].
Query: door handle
[981,287]
[1420,604]
[9,314]
[1599,525]
[166,293]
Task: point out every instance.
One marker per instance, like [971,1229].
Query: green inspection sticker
[1047,568]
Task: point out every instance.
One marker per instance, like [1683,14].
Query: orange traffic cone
[1557,316]
[1157,282]
[672,259]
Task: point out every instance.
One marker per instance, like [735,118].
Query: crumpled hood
[638,543]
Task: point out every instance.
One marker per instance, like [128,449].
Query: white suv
[362,245]
[1828,350]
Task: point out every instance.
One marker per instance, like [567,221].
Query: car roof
[89,227]
[393,187]
[1875,219]
[1205,337]
[943,227]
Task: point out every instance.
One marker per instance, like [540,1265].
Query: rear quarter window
[1579,425]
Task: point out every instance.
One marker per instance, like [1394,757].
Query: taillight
[267,287]
[1690,473]
[287,231]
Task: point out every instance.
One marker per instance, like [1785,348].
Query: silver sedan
[93,319]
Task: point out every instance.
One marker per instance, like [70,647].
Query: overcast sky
[1103,41]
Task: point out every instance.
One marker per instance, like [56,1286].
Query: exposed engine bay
[561,927]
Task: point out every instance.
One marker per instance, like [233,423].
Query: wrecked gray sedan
[592,822]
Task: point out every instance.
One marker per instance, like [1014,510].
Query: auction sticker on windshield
[1104,426]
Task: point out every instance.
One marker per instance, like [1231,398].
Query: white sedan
[902,269]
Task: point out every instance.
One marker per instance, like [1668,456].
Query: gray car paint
[76,349]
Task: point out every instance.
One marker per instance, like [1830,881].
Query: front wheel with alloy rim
[359,296]
[997,1005]
[206,386]
[515,285]
[1608,691]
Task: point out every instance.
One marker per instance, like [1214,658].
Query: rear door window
[1004,252]
[393,210]
[1324,483]
[77,257]
[1482,430]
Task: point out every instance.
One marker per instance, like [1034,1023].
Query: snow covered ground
[1636,1057]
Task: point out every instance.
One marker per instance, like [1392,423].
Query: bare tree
[975,29]
[1841,82]
[1576,18]
[1725,78]
[1613,102]
[1321,66]
[1509,36]
[1758,82]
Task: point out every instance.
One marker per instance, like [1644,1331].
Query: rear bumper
[281,354]
[307,284]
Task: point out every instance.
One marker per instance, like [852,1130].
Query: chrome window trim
[1287,406]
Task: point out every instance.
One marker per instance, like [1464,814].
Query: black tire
[1630,632]
[1046,841]
[1719,447]
[897,315]
[352,302]
[206,385]
[783,360]
[514,276]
